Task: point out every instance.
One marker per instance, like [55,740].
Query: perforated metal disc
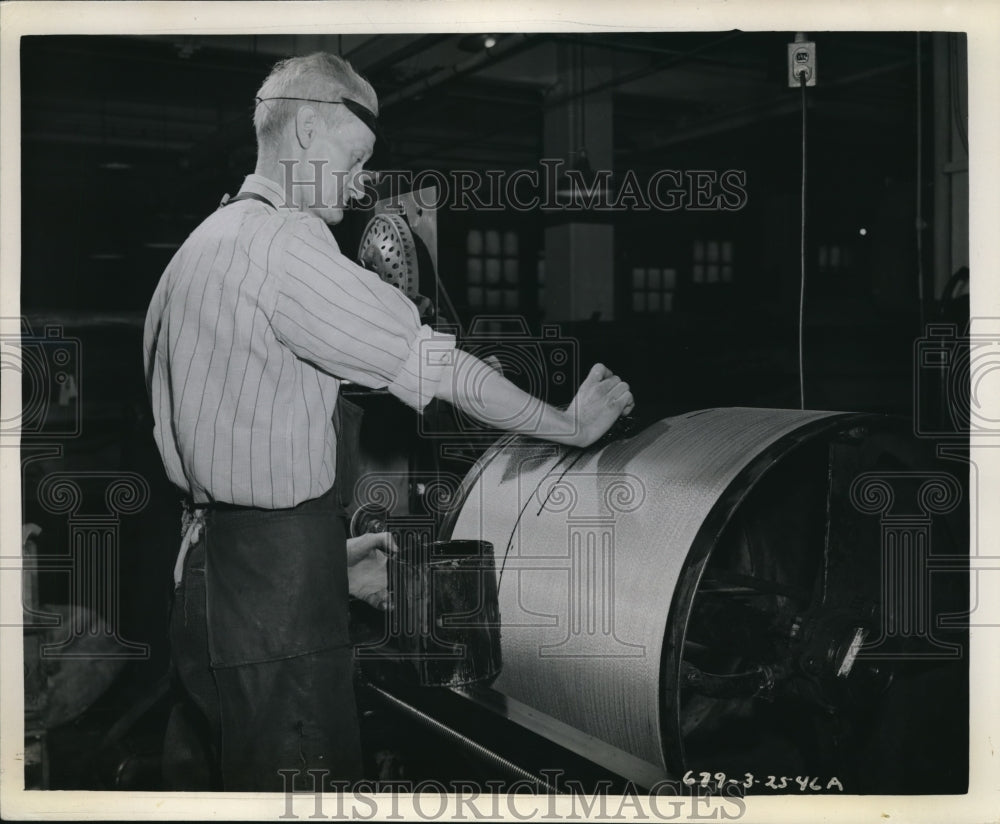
[387,248]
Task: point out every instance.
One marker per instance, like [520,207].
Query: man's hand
[601,399]
[366,575]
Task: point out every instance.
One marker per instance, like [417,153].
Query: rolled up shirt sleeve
[346,321]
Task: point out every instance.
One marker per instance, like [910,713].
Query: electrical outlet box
[801,58]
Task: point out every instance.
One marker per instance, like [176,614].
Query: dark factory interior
[698,303]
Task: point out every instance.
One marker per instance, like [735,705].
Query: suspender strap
[246,196]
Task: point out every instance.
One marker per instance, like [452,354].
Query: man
[254,324]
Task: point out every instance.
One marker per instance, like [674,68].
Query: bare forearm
[481,392]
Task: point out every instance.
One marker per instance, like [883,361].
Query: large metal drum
[651,588]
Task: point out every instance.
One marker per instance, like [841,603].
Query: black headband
[363,113]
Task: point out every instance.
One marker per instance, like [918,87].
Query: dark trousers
[259,632]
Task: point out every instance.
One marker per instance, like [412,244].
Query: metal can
[445,612]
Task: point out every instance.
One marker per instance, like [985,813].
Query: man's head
[311,125]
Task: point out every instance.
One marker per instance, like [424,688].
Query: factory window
[833,257]
[653,289]
[712,261]
[492,275]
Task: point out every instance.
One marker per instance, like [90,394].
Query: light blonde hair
[319,76]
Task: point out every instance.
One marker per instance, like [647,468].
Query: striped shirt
[252,327]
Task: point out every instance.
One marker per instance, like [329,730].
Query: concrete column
[579,256]
[951,160]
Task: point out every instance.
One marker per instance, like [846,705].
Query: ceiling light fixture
[478,42]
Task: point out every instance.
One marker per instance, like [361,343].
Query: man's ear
[306,121]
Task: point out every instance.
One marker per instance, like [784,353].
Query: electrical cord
[802,251]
